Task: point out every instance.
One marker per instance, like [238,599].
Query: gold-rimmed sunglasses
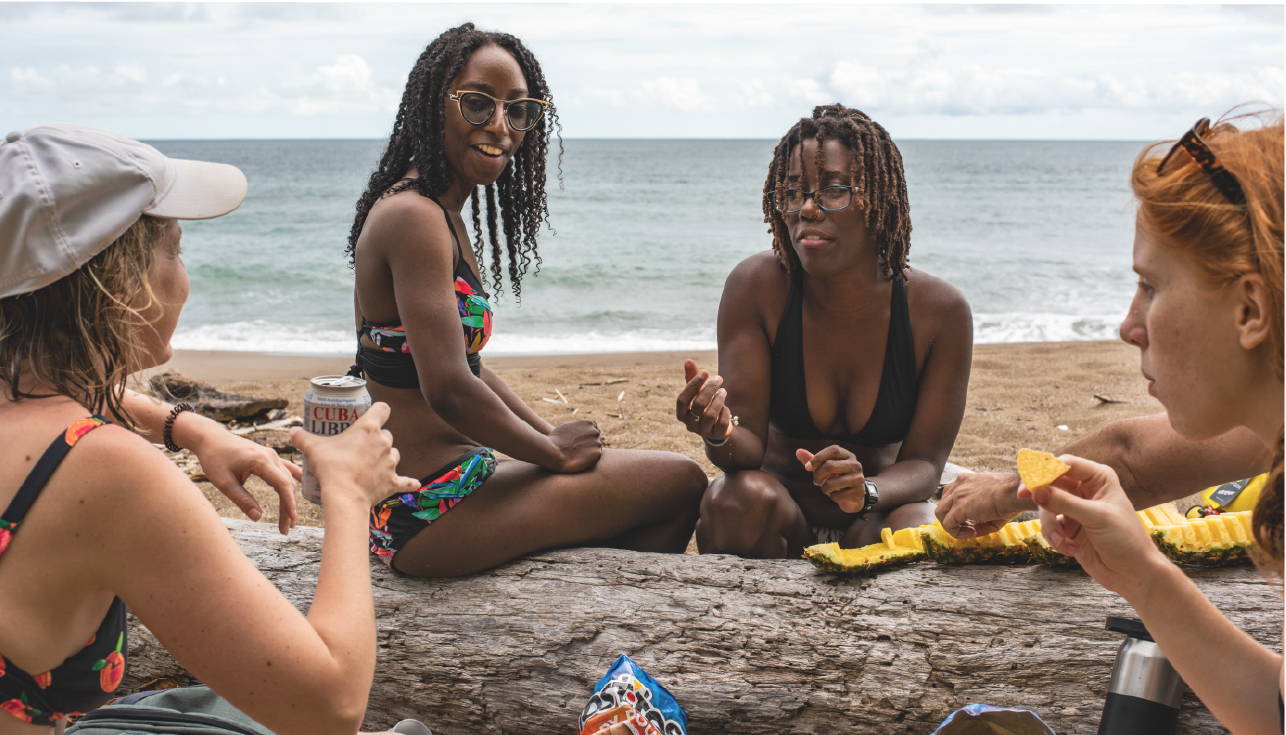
[1196,147]
[477,108]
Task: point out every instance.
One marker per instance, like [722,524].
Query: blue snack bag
[982,719]
[626,694]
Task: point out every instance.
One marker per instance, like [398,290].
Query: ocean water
[1037,235]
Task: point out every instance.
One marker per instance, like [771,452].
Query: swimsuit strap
[44,469]
[459,254]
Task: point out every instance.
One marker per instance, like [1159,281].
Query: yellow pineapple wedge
[894,548]
[1216,540]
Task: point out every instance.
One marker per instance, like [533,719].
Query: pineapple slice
[1217,540]
[865,560]
[1005,546]
[893,549]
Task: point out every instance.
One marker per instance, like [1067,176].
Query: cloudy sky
[647,71]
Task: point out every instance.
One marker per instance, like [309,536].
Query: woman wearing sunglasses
[475,123]
[842,370]
[1207,319]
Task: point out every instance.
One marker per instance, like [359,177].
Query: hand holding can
[331,405]
[361,460]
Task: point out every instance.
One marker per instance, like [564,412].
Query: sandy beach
[1039,395]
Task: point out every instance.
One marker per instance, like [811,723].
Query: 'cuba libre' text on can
[332,404]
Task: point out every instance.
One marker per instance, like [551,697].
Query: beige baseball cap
[68,191]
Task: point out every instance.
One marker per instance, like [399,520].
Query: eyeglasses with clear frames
[477,108]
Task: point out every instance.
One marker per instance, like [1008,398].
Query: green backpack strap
[184,711]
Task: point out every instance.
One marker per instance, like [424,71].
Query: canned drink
[332,404]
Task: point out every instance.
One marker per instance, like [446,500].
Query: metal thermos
[1146,691]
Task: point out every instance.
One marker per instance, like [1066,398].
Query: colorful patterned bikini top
[88,677]
[390,363]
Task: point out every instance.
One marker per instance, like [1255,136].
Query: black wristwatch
[872,497]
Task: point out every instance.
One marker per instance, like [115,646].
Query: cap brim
[200,190]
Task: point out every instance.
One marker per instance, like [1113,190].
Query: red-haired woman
[1207,319]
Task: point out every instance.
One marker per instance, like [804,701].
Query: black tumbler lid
[1133,627]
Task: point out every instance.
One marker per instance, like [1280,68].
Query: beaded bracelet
[168,434]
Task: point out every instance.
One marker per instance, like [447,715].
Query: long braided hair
[875,173]
[417,140]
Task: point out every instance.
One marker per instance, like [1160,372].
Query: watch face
[872,495]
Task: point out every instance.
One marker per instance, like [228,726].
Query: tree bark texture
[747,646]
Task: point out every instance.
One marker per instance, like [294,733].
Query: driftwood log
[210,401]
[746,646]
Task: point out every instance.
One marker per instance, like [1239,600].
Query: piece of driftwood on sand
[746,646]
[210,401]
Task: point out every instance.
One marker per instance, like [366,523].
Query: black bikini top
[899,384]
[87,678]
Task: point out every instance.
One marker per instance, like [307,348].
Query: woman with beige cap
[91,285]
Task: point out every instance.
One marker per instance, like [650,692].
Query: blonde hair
[1183,209]
[80,335]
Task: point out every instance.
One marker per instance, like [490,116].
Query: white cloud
[129,74]
[755,94]
[680,93]
[28,76]
[809,91]
[337,88]
[860,84]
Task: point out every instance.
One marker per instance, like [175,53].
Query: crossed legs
[632,499]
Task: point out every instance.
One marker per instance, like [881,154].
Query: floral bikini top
[390,362]
[88,677]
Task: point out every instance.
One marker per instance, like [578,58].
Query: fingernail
[255,514]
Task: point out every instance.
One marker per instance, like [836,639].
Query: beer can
[331,405]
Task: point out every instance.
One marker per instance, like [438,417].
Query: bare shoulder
[934,299]
[129,479]
[402,219]
[754,292]
[758,275]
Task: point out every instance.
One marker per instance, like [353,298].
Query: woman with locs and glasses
[1207,319]
[842,371]
[475,123]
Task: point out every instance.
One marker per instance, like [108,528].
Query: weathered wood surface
[210,401]
[746,646]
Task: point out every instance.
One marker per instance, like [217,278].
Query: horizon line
[659,140]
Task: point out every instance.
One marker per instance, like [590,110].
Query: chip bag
[626,694]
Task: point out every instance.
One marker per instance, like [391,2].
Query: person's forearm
[907,481]
[149,415]
[515,404]
[473,409]
[743,451]
[1200,642]
[1155,464]
[343,611]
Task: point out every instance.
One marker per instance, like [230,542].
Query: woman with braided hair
[831,416]
[477,115]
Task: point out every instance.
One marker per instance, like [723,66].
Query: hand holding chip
[1085,513]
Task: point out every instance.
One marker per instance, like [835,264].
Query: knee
[908,515]
[740,495]
[686,478]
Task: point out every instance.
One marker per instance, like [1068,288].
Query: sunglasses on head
[1196,147]
[477,108]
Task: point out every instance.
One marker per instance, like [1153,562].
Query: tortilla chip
[1037,469]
